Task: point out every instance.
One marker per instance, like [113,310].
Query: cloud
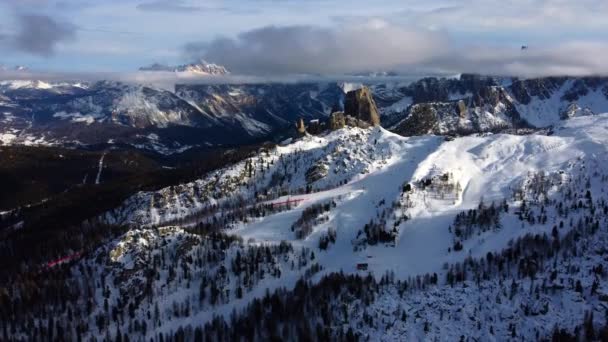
[319,36]
[374,45]
[39,34]
[489,15]
[168,6]
[73,5]
[168,80]
[576,58]
[183,7]
[3,35]
[379,46]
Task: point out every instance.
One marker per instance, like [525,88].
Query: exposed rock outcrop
[462,109]
[360,111]
[336,120]
[491,104]
[360,105]
[423,119]
[300,126]
[575,110]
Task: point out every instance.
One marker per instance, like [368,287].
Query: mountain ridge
[200,67]
[387,224]
[62,113]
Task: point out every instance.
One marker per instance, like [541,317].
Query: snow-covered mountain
[67,113]
[352,233]
[71,113]
[201,67]
[486,236]
[476,104]
[461,105]
[263,108]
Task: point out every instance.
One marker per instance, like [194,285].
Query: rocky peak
[199,67]
[430,89]
[203,67]
[360,105]
[491,95]
[541,88]
[300,126]
[336,120]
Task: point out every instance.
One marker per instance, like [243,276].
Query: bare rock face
[360,105]
[300,126]
[336,120]
[423,119]
[462,109]
[574,110]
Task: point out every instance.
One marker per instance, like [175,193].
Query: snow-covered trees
[311,216]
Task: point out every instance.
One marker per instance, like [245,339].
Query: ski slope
[363,173]
[487,166]
[375,164]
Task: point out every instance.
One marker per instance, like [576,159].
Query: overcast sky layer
[321,37]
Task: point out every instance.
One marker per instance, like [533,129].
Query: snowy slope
[475,103]
[344,156]
[572,98]
[344,188]
[361,168]
[414,186]
[426,210]
[487,167]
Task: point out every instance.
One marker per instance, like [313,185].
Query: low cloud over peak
[379,46]
[317,37]
[319,50]
[574,58]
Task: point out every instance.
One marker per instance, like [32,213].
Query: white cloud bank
[377,45]
[308,49]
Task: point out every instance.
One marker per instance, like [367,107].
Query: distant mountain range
[343,231]
[35,112]
[200,67]
[81,113]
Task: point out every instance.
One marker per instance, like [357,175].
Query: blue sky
[306,36]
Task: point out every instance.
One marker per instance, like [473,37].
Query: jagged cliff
[36,112]
[360,105]
[474,103]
